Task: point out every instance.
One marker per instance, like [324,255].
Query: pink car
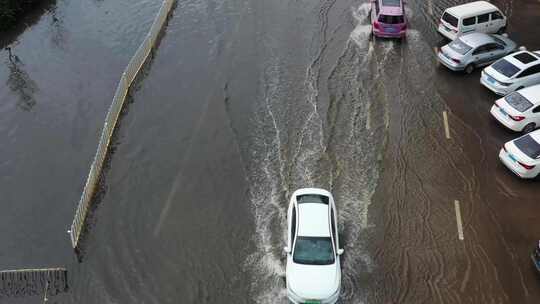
[388,18]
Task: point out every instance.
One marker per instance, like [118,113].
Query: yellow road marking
[446,126]
[458,220]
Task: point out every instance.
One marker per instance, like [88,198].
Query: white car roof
[532,93]
[471,9]
[313,220]
[476,39]
[311,191]
[521,65]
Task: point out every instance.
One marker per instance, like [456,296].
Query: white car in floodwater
[313,271]
[522,155]
[519,111]
[513,72]
[475,50]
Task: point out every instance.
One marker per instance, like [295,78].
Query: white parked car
[313,271]
[478,16]
[522,155]
[475,50]
[520,110]
[513,72]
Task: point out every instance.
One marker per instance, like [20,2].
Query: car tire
[502,30]
[469,69]
[529,128]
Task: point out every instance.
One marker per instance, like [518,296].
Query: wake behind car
[519,111]
[513,72]
[474,50]
[388,18]
[313,271]
[522,155]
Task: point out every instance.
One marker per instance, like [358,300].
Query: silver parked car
[474,50]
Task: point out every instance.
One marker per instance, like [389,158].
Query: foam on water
[361,34]
[352,178]
[266,194]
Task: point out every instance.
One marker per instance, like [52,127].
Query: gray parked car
[474,50]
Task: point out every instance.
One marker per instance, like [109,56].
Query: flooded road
[243,103]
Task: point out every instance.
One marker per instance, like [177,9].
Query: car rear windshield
[506,68]
[388,19]
[391,2]
[450,19]
[518,101]
[313,251]
[312,198]
[459,46]
[528,146]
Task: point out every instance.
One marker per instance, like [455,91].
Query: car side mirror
[287,249]
[340,251]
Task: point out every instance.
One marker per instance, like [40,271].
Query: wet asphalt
[242,103]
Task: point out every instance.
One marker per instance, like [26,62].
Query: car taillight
[517,118]
[404,27]
[526,166]
[377,25]
[456,60]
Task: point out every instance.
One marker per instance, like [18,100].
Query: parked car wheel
[529,128]
[469,69]
[502,30]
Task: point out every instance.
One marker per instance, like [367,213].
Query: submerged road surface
[245,101]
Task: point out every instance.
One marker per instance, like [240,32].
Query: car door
[468,25]
[334,229]
[496,21]
[292,228]
[495,51]
[481,55]
[482,23]
[530,76]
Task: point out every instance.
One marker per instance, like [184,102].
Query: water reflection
[20,83]
[27,20]
[59,33]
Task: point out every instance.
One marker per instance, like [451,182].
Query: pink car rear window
[391,3]
[388,19]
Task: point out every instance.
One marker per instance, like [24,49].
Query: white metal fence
[31,282]
[128,76]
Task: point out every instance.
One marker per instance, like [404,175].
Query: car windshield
[506,68]
[450,19]
[391,19]
[499,41]
[313,251]
[518,101]
[459,46]
[529,146]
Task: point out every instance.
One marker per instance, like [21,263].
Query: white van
[479,16]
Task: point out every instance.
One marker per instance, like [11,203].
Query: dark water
[54,95]
[244,102]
